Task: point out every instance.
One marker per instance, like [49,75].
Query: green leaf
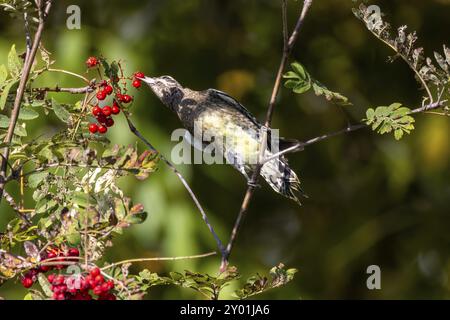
[398,134]
[14,63]
[45,284]
[136,218]
[20,130]
[300,82]
[4,121]
[393,118]
[36,178]
[60,111]
[5,93]
[302,88]
[3,74]
[300,70]
[27,114]
[370,113]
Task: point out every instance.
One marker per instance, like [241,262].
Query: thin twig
[288,44]
[70,73]
[183,181]
[29,60]
[197,256]
[86,89]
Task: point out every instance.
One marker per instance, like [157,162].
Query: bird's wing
[233,103]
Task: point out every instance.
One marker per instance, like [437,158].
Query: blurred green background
[372,200]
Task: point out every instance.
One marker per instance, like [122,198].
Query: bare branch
[86,89]
[197,256]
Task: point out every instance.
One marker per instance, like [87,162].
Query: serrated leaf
[14,63]
[60,111]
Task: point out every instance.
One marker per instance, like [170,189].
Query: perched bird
[236,132]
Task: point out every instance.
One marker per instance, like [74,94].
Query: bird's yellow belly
[228,136]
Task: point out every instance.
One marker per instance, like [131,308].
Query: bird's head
[167,89]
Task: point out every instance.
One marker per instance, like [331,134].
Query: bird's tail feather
[282,179]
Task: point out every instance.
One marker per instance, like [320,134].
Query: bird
[237,134]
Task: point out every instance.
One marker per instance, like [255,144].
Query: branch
[43,8]
[183,181]
[197,256]
[86,89]
[288,44]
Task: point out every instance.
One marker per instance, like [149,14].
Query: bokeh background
[372,200]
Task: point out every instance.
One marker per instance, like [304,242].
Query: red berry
[139,75]
[74,252]
[102,129]
[27,282]
[103,83]
[45,268]
[95,272]
[91,62]
[59,296]
[93,128]
[101,95]
[62,288]
[109,122]
[99,279]
[126,98]
[108,89]
[51,277]
[73,290]
[137,83]
[119,96]
[59,280]
[115,109]
[110,284]
[51,255]
[98,290]
[96,110]
[101,118]
[107,110]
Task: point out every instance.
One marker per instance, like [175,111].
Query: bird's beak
[148,80]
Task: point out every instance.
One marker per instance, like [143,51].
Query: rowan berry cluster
[79,287]
[73,286]
[109,87]
[52,255]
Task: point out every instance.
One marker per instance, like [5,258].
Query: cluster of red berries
[78,287]
[51,255]
[104,114]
